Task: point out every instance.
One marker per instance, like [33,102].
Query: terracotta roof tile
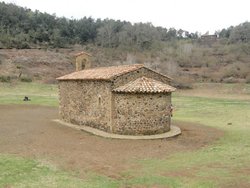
[145,85]
[101,73]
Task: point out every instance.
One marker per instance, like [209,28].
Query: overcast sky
[190,15]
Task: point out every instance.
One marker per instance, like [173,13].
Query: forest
[23,28]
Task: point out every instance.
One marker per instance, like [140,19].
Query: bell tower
[83,61]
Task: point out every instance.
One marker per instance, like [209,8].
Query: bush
[230,80]
[26,79]
[22,45]
[248,79]
[179,85]
[4,78]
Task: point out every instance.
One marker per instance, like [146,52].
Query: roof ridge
[127,65]
[101,73]
[145,85]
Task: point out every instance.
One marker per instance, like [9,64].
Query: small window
[82,66]
[99,100]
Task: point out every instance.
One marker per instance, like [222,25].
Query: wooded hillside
[183,55]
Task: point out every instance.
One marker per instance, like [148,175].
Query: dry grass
[185,61]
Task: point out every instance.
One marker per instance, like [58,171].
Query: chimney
[83,61]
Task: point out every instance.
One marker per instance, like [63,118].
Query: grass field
[226,163]
[40,94]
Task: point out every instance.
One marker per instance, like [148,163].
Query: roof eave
[75,79]
[140,92]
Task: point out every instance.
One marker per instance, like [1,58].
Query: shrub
[248,79]
[5,79]
[179,85]
[230,80]
[26,79]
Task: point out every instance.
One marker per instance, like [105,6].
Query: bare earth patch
[28,131]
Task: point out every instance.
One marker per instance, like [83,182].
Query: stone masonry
[129,99]
[86,102]
[141,114]
[83,61]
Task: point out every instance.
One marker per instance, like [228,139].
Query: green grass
[40,94]
[213,112]
[20,172]
[224,163]
[220,164]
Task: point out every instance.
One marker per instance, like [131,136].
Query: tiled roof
[145,85]
[101,73]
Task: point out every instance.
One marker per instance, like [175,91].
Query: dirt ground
[28,131]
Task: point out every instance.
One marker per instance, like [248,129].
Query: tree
[240,33]
[171,34]
[225,33]
[86,30]
[108,33]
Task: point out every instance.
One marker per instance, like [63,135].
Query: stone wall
[131,76]
[92,103]
[140,114]
[86,103]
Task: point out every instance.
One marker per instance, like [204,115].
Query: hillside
[47,45]
[33,65]
[185,62]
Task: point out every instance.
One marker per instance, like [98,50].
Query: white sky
[190,15]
